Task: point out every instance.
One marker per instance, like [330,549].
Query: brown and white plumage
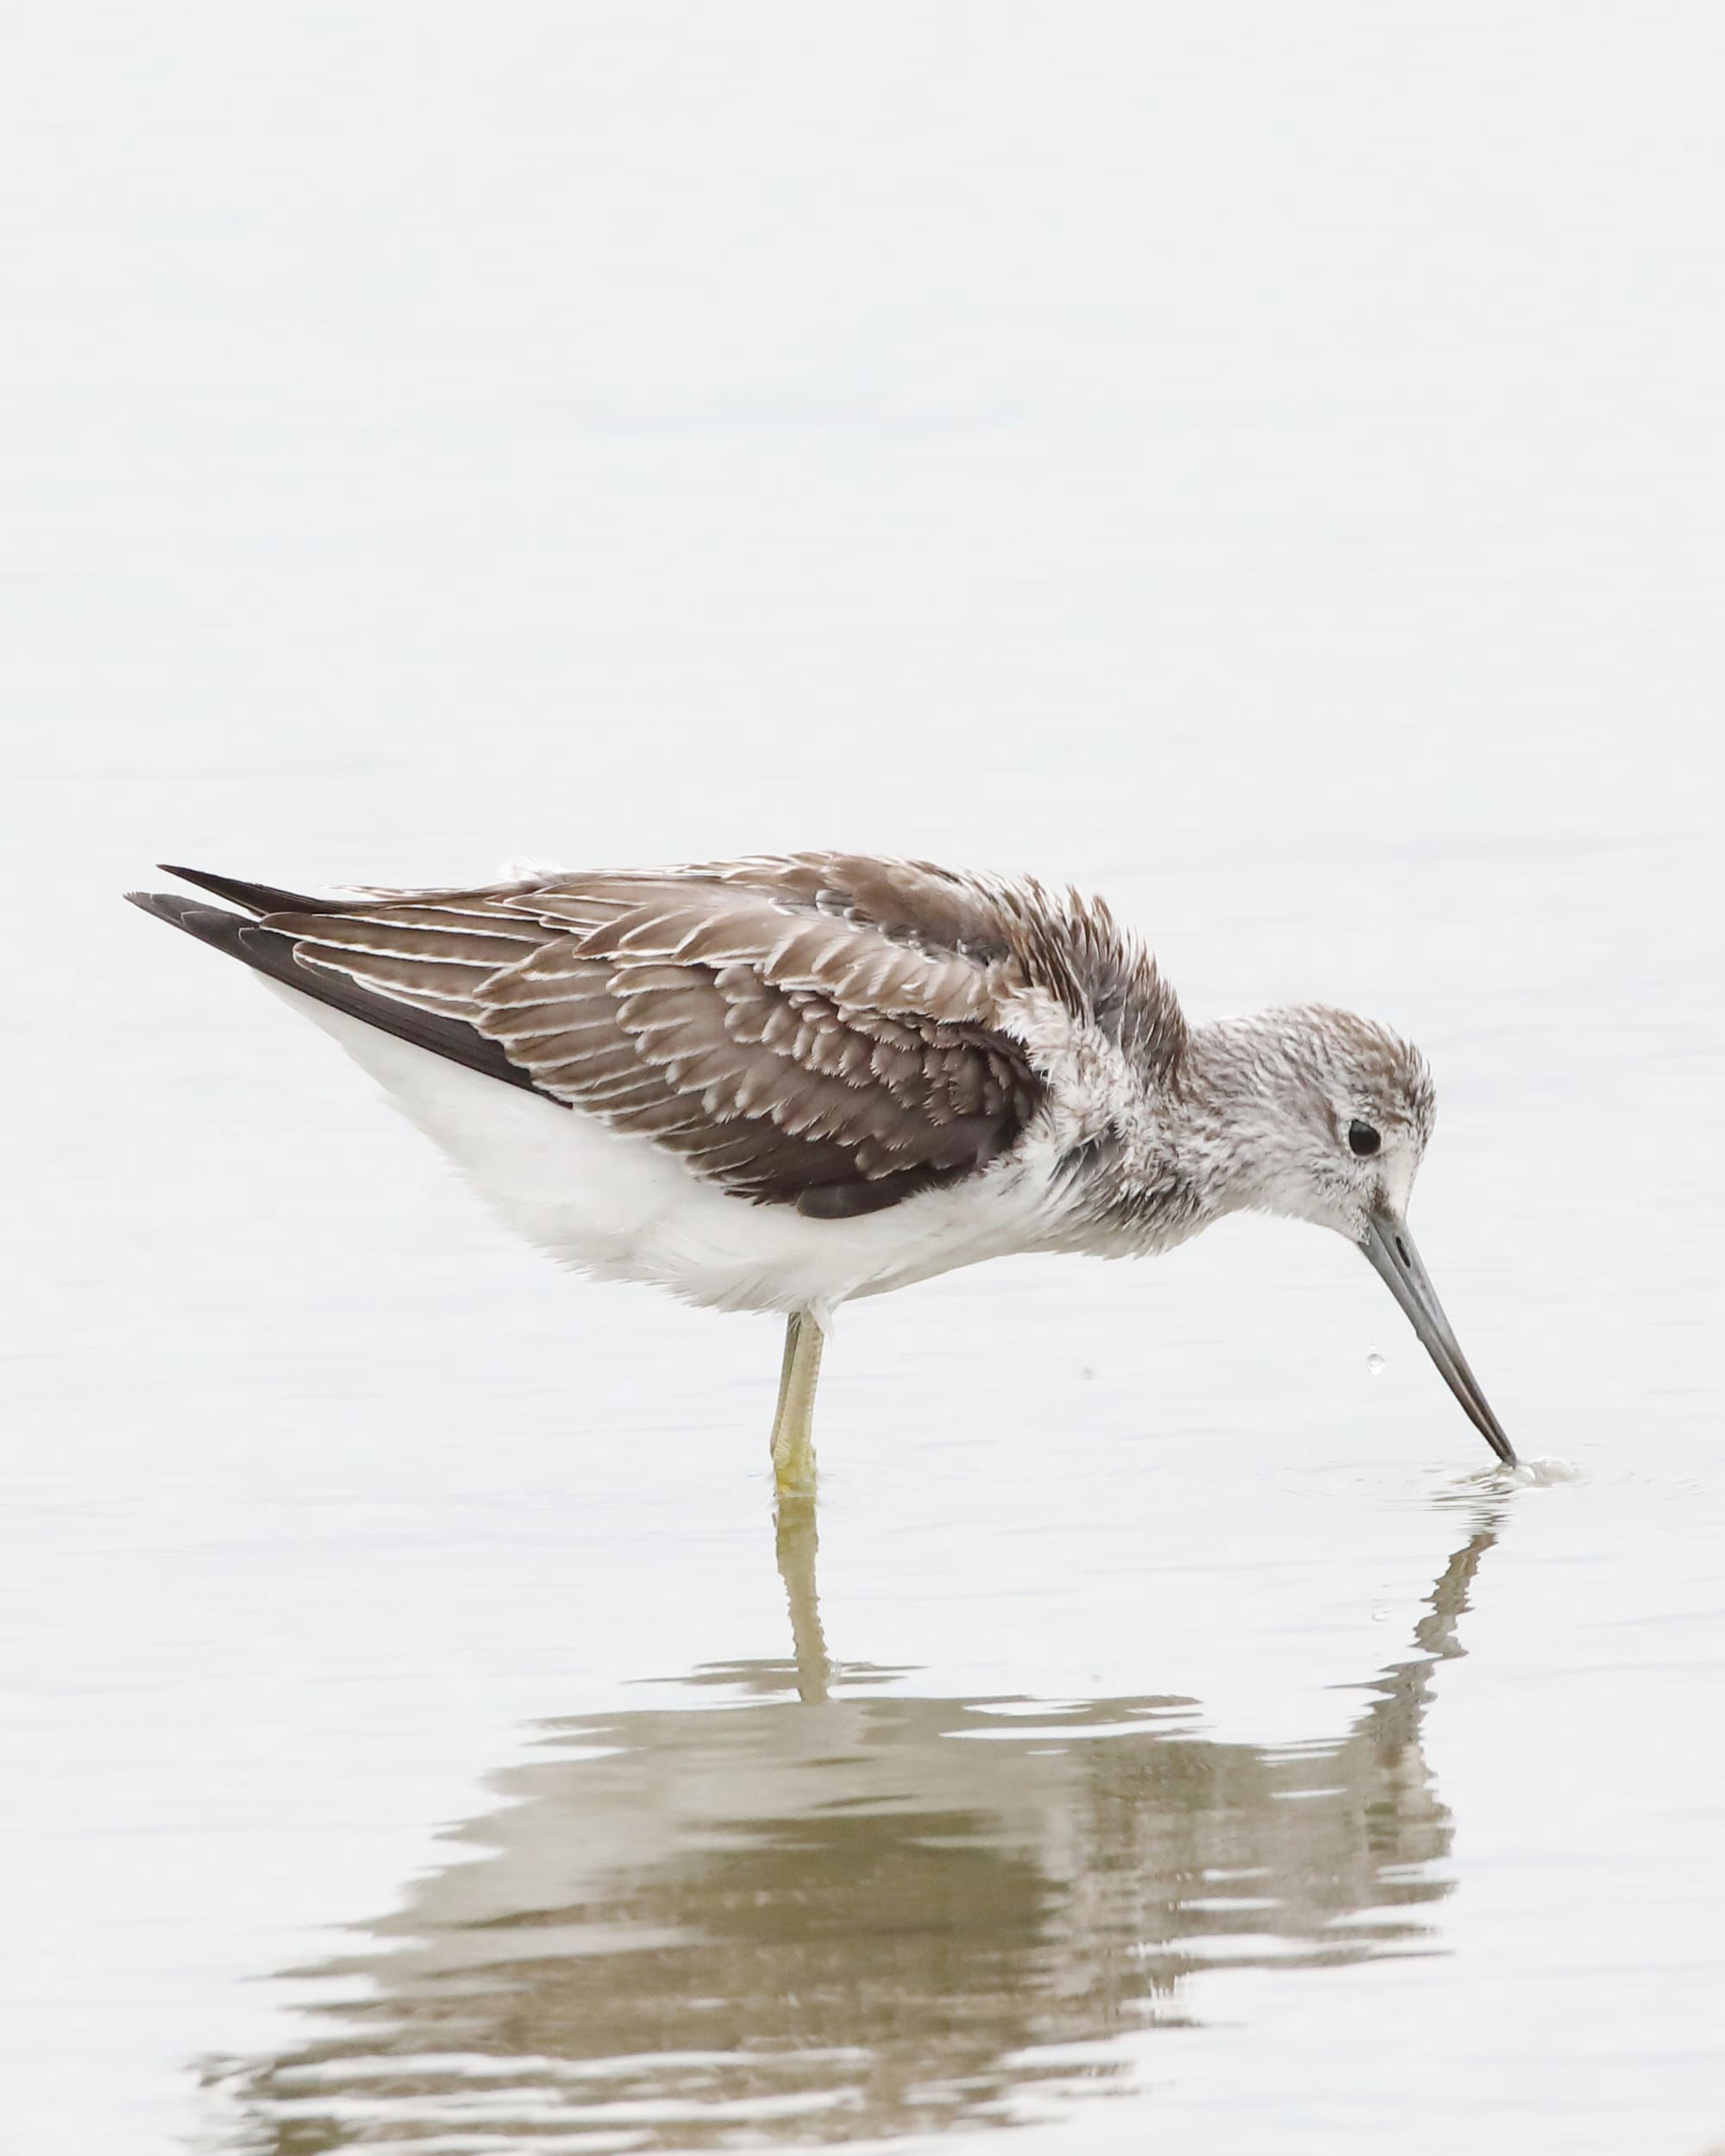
[778,1083]
[833,1034]
[790,1030]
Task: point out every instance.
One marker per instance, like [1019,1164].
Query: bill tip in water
[1538,1474]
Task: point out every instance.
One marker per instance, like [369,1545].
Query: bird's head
[1334,1112]
[1326,1117]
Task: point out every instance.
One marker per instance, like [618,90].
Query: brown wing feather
[806,1031]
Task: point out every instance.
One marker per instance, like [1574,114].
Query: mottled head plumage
[1355,1062]
[1326,1114]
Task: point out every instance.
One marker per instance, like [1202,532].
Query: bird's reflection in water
[817,1909]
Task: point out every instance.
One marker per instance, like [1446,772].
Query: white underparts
[619,1207]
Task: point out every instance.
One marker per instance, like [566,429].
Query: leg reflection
[798,1539]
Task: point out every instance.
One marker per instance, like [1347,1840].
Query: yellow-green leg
[792,1425]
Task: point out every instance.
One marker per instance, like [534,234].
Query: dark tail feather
[268,951]
[256,898]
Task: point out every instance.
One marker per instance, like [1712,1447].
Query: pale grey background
[1262,461]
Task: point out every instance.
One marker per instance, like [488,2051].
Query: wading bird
[778,1083]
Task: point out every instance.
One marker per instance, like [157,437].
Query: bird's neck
[1212,1137]
[1227,1128]
[1199,1149]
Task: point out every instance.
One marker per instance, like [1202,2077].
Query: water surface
[1262,464]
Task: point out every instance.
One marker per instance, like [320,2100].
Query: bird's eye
[1364,1139]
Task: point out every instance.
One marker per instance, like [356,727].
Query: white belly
[620,1208]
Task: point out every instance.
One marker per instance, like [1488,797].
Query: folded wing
[819,1031]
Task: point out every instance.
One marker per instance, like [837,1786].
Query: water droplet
[1374,1364]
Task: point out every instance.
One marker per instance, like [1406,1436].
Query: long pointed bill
[1390,1248]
